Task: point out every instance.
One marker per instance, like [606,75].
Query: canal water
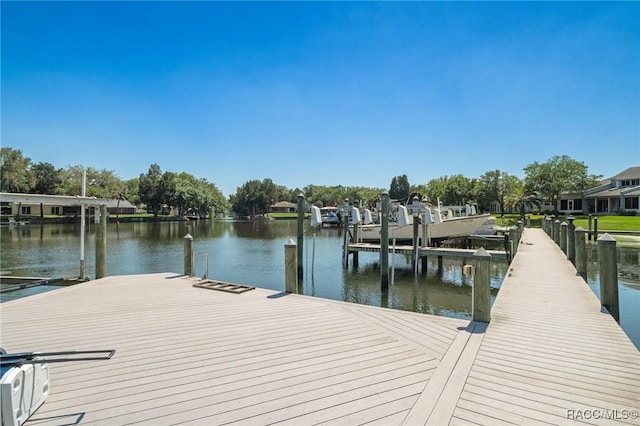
[252,253]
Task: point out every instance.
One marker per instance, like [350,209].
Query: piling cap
[481,253]
[188,237]
[291,242]
[606,238]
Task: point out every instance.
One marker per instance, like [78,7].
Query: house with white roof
[616,194]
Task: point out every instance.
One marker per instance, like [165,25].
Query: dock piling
[556,231]
[608,263]
[580,252]
[563,237]
[188,255]
[101,243]
[481,300]
[345,231]
[513,238]
[290,267]
[384,241]
[571,240]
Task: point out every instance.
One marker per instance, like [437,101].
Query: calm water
[253,253]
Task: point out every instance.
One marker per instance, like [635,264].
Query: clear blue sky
[321,93]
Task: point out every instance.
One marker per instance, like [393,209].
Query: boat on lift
[330,216]
[434,225]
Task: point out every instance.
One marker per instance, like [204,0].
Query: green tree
[518,200]
[150,189]
[558,175]
[131,191]
[496,186]
[399,188]
[100,183]
[451,190]
[245,201]
[15,171]
[47,178]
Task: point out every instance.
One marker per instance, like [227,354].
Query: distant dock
[425,251]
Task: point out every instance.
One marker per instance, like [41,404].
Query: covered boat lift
[77,200]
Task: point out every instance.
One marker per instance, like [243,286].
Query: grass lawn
[282,216]
[614,223]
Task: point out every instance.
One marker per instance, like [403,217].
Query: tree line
[157,190]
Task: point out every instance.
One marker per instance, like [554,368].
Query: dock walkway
[198,356]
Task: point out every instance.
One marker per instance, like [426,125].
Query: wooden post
[581,253]
[300,235]
[513,238]
[416,244]
[520,226]
[345,231]
[440,265]
[290,267]
[590,220]
[556,231]
[384,241]
[188,255]
[571,240]
[481,296]
[101,243]
[595,228]
[608,263]
[563,237]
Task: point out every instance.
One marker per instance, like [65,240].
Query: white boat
[489,227]
[10,221]
[329,216]
[433,227]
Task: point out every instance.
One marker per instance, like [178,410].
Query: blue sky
[326,93]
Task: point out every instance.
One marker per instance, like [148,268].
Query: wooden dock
[191,355]
[424,251]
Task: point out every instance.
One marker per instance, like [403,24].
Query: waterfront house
[59,209]
[614,195]
[283,207]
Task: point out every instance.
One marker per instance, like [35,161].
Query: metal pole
[300,235]
[83,192]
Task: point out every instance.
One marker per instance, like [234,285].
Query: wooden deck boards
[549,351]
[189,355]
